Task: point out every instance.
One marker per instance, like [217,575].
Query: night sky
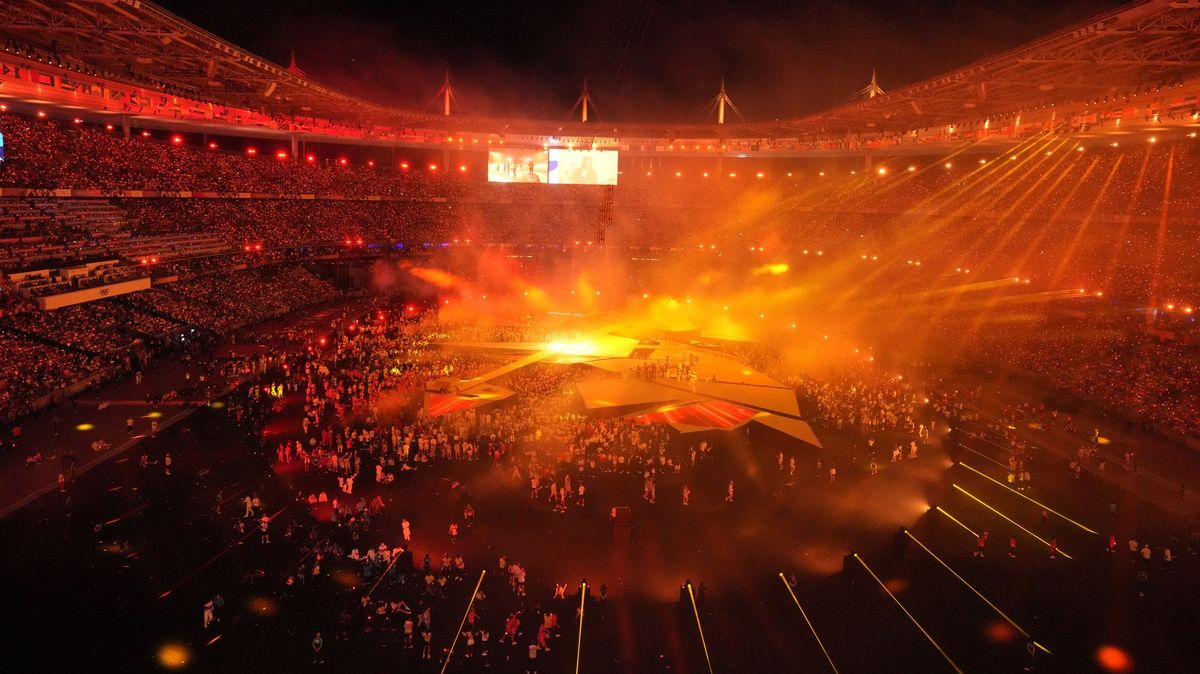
[647,60]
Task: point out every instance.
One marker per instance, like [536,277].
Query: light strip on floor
[703,643]
[970,587]
[1010,520]
[454,642]
[810,625]
[579,643]
[1037,503]
[956,521]
[910,616]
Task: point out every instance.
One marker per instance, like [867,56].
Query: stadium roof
[1138,50]
[142,43]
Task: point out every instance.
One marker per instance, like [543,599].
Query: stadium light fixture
[433,168]
[342,161]
[281,155]
[212,144]
[145,134]
[462,168]
[251,151]
[371,163]
[108,127]
[310,158]
[403,166]
[177,139]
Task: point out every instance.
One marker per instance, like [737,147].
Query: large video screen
[517,165]
[583,167]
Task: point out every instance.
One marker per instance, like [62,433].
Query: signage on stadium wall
[92,294]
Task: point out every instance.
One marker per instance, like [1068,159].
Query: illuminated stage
[669,379]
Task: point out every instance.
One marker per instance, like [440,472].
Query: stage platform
[657,377]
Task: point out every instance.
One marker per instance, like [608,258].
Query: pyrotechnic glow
[174,655]
[1114,659]
[582,347]
[773,269]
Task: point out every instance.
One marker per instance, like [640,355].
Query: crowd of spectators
[1111,361]
[1108,220]
[52,350]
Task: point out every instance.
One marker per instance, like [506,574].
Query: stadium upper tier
[82,206]
[1137,66]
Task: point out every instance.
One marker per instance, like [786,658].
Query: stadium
[326,361]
